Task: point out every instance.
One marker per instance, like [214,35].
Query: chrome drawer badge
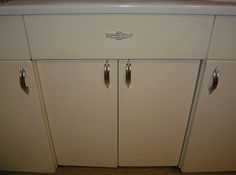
[119,35]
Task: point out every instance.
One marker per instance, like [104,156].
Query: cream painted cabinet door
[82,110]
[24,144]
[211,145]
[154,110]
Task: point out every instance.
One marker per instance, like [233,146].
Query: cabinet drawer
[13,42]
[149,36]
[224,38]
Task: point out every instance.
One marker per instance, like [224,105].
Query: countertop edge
[158,8]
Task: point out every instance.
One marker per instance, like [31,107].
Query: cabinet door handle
[215,80]
[22,81]
[107,74]
[128,73]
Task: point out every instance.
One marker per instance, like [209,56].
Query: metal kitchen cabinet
[96,124]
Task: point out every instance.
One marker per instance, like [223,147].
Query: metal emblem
[119,35]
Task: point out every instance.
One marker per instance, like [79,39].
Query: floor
[117,171]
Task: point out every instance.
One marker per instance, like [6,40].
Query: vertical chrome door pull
[107,74]
[128,73]
[22,81]
[215,80]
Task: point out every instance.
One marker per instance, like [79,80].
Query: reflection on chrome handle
[22,81]
[107,73]
[215,80]
[128,73]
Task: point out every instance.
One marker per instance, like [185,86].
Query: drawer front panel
[13,42]
[94,36]
[224,38]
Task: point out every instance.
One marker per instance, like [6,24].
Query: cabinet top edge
[194,7]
